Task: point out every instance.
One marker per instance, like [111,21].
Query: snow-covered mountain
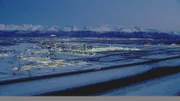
[108,28]
[69,28]
[73,31]
[25,28]
[175,33]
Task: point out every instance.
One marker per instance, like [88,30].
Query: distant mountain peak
[70,28]
[27,28]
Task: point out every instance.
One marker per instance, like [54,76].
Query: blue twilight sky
[157,14]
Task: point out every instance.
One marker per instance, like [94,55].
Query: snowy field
[104,62]
[165,86]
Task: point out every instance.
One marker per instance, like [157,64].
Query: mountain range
[28,30]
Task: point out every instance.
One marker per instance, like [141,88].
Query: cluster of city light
[3,55]
[100,49]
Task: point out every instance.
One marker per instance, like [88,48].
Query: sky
[156,14]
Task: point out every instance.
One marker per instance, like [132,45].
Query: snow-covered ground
[29,60]
[39,65]
[67,82]
[165,86]
[73,81]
